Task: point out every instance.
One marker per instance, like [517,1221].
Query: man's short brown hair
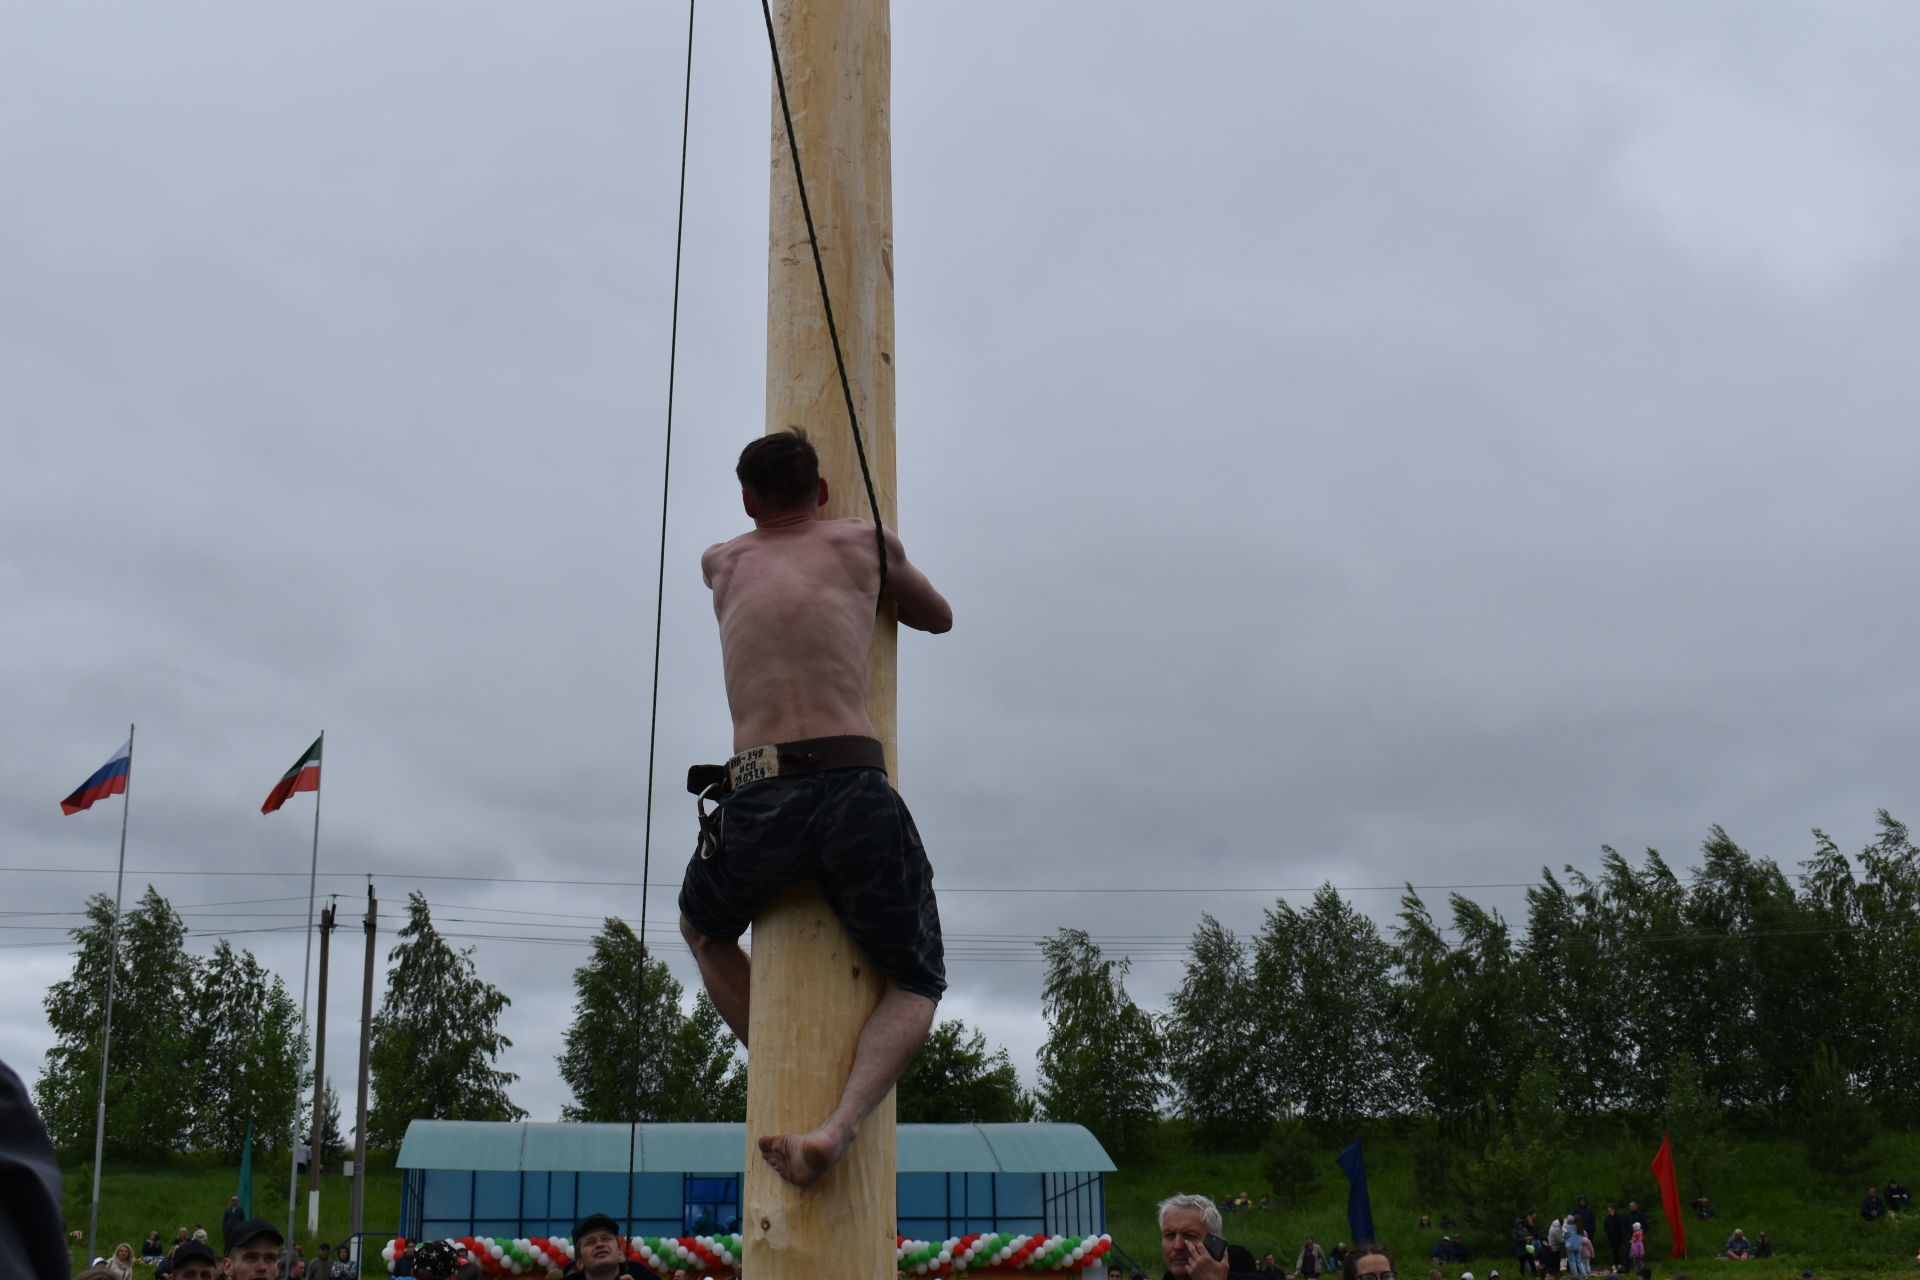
[780,469]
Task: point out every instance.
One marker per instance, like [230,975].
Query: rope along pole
[659,605]
[826,299]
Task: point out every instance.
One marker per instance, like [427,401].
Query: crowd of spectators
[1568,1245]
[193,1245]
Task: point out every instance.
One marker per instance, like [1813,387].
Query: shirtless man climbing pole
[795,597]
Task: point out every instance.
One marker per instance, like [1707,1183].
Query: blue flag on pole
[245,1189]
[1359,1205]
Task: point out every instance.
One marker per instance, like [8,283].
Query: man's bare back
[795,600]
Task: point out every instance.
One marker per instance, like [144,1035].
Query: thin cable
[667,884]
[659,600]
[826,300]
[666,477]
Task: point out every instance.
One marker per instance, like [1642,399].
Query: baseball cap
[253,1229]
[194,1251]
[594,1222]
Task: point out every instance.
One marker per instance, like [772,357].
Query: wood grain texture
[812,987]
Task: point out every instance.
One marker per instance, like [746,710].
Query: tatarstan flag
[304,776]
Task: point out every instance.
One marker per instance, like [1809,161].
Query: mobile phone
[1216,1246]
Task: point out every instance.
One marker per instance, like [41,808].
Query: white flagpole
[106,1035]
[306,977]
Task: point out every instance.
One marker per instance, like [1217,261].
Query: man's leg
[889,1042]
[728,973]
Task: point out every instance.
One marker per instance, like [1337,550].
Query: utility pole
[319,1079]
[812,987]
[357,1212]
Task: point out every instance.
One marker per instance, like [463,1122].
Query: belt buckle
[754,764]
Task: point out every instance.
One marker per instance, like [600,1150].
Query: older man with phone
[1191,1243]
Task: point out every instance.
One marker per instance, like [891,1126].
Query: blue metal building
[464,1177]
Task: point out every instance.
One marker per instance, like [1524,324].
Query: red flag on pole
[304,776]
[1670,1194]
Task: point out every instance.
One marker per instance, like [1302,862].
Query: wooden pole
[812,987]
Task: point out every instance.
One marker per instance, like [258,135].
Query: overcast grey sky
[1361,442]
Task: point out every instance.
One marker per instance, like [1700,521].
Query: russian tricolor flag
[110,779]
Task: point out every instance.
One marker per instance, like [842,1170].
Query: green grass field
[136,1199]
[1813,1218]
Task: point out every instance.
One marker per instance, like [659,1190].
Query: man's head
[1116,1273]
[596,1243]
[435,1260]
[1367,1262]
[253,1250]
[342,1251]
[1185,1224]
[194,1261]
[780,474]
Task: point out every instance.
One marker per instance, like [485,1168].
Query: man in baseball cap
[253,1250]
[192,1260]
[597,1252]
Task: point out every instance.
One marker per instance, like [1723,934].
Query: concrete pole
[319,1081]
[812,988]
[356,1213]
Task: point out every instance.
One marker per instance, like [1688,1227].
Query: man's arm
[708,559]
[920,606]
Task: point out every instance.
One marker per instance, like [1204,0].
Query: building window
[712,1205]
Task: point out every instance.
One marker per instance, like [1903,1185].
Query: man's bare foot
[802,1158]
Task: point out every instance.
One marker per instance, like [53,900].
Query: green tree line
[1627,998]
[205,1047]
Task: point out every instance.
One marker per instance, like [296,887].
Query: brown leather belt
[808,755]
[786,759]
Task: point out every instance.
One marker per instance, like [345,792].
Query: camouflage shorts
[850,831]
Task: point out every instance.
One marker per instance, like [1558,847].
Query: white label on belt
[753,764]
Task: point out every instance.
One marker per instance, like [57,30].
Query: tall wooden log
[812,987]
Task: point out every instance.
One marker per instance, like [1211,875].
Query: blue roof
[721,1148]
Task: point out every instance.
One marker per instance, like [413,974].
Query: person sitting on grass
[1873,1206]
[1762,1245]
[1897,1196]
[1738,1248]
